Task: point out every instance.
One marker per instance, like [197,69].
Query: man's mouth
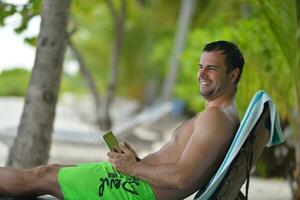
[204,82]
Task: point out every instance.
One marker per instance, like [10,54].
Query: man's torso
[172,152]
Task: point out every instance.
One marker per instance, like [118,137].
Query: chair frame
[253,148]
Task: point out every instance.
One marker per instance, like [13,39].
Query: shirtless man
[178,169]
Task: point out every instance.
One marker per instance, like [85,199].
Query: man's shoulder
[214,121]
[212,115]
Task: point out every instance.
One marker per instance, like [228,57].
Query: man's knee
[45,178]
[45,175]
[45,171]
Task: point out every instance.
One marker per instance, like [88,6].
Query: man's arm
[158,158]
[152,158]
[212,131]
[166,151]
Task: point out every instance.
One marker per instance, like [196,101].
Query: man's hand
[124,162]
[130,148]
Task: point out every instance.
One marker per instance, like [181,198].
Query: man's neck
[224,100]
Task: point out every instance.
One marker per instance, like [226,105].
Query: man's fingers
[112,154]
[125,149]
[117,150]
[131,149]
[128,145]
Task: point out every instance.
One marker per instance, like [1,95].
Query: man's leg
[30,182]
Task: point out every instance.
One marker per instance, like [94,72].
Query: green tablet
[111,141]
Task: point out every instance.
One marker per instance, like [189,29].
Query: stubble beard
[205,93]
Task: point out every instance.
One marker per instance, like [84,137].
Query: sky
[14,51]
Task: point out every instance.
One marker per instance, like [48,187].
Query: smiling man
[197,148]
[178,169]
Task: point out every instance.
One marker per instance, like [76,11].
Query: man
[177,170]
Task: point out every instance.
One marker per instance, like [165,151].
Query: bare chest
[182,135]
[172,151]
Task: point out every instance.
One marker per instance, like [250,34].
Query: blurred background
[69,70]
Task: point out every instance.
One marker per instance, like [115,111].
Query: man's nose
[202,73]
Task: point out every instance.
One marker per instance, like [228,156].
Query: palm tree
[185,17]
[118,20]
[283,18]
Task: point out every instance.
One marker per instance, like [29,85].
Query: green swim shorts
[96,181]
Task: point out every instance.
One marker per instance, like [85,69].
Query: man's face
[212,76]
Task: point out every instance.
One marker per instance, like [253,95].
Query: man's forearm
[151,159]
[167,176]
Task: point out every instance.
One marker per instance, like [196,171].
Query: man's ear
[234,74]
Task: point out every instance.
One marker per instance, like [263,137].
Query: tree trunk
[91,85]
[186,13]
[115,57]
[32,144]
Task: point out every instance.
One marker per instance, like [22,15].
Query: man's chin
[205,94]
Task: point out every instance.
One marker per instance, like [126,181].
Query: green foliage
[165,13]
[73,84]
[26,11]
[263,58]
[146,46]
[14,82]
[283,25]
[149,35]
[261,168]
[31,40]
[148,59]
[5,11]
[285,28]
[93,37]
